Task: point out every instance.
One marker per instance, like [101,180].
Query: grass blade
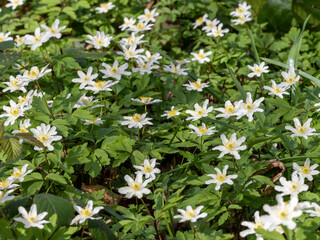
[237,83]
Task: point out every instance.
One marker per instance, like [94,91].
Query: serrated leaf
[83,114]
[11,147]
[1,130]
[56,178]
[267,235]
[28,137]
[39,103]
[263,180]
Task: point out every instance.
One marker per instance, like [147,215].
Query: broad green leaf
[11,147]
[6,45]
[55,205]
[39,104]
[263,180]
[267,235]
[83,114]
[56,178]
[100,230]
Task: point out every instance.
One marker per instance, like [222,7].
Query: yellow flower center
[17,173]
[239,10]
[93,121]
[248,105]
[33,73]
[148,15]
[14,111]
[301,129]
[114,69]
[290,79]
[135,185]
[104,5]
[147,168]
[175,69]
[230,109]
[140,25]
[85,212]
[22,99]
[43,137]
[1,38]
[241,18]
[23,129]
[283,214]
[203,130]
[201,55]
[230,144]
[294,187]
[172,112]
[197,85]
[220,177]
[218,31]
[99,84]
[4,184]
[199,20]
[200,112]
[137,117]
[305,170]
[145,99]
[258,225]
[278,90]
[15,83]
[257,69]
[33,219]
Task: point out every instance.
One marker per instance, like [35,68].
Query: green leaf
[236,82]
[6,232]
[39,103]
[11,147]
[267,235]
[83,114]
[100,230]
[1,130]
[295,49]
[57,178]
[6,45]
[28,137]
[55,205]
[263,180]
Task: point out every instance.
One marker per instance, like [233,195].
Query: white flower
[259,223]
[201,56]
[199,111]
[86,213]
[26,101]
[151,58]
[101,86]
[293,187]
[218,31]
[315,212]
[37,40]
[149,16]
[144,67]
[19,174]
[96,121]
[258,70]
[22,128]
[190,214]
[105,7]
[148,168]
[131,52]
[5,37]
[46,135]
[140,26]
[146,100]
[249,108]
[14,3]
[99,40]
[202,130]
[54,30]
[242,9]
[19,40]
[15,84]
[221,177]
[4,197]
[136,187]
[132,40]
[290,77]
[210,25]
[13,112]
[183,61]
[231,146]
[302,131]
[197,85]
[84,101]
[31,218]
[7,184]
[229,109]
[171,113]
[282,213]
[35,73]
[278,90]
[306,171]
[136,120]
[242,19]
[199,21]
[20,66]
[127,23]
[85,78]
[175,69]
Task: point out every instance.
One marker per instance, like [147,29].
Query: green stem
[301,146]
[201,143]
[101,105]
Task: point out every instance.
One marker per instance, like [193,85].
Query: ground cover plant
[171,119]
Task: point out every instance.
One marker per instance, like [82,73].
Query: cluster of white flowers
[284,213]
[242,14]
[213,27]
